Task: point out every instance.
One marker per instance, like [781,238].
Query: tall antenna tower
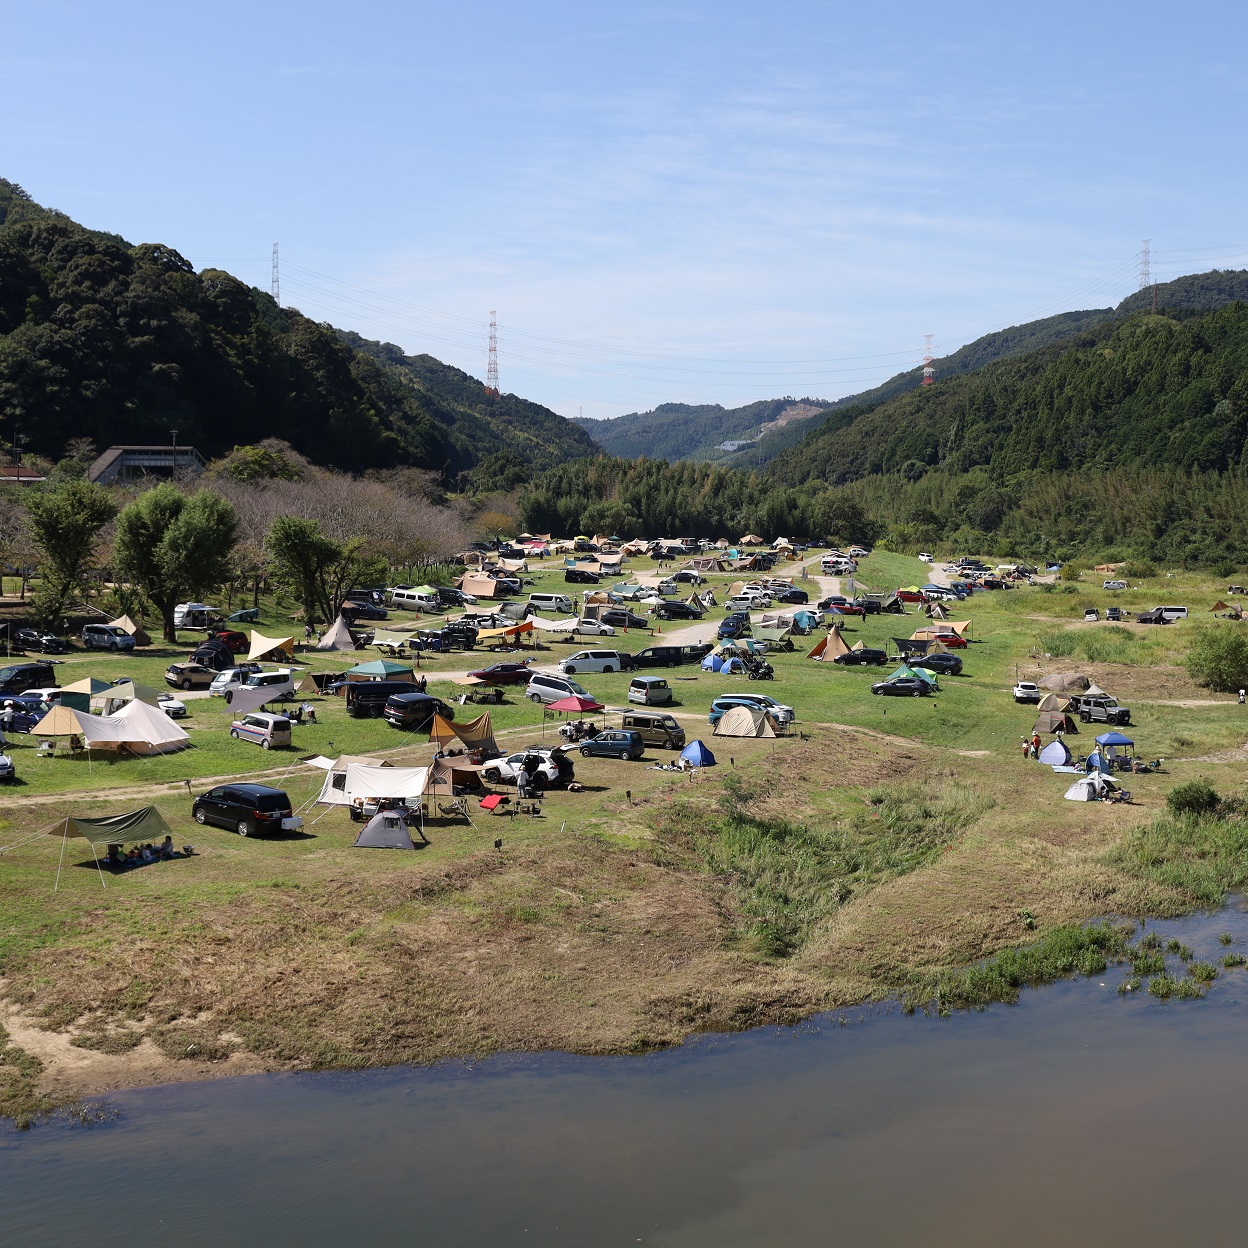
[491,372]
[1146,277]
[929,369]
[277,281]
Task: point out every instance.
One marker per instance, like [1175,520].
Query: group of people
[141,855]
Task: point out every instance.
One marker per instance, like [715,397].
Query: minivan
[367,698]
[1173,613]
[262,728]
[672,656]
[106,637]
[543,688]
[1113,584]
[415,710]
[23,676]
[649,690]
[596,661]
[247,808]
[656,728]
[561,603]
[406,599]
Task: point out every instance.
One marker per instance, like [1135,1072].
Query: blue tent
[697,754]
[1114,738]
[712,662]
[805,619]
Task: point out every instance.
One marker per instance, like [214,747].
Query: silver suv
[106,637]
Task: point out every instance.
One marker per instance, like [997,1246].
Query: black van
[672,656]
[415,710]
[23,676]
[367,698]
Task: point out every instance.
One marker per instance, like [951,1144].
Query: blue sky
[691,202]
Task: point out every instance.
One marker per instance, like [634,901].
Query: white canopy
[555,626]
[360,781]
[262,645]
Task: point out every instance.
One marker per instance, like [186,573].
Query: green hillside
[117,343]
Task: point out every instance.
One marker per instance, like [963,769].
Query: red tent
[575,703]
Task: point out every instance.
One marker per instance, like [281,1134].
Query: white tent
[340,763]
[554,626]
[1056,753]
[361,781]
[1090,788]
[138,727]
[337,638]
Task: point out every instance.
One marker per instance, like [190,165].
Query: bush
[1070,571]
[1225,567]
[1138,570]
[1218,658]
[1196,797]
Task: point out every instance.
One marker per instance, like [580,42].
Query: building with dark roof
[131,463]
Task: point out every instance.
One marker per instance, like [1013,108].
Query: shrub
[1218,658]
[1070,571]
[1138,570]
[1196,797]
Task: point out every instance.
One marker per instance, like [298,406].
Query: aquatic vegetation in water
[1225,938]
[1179,948]
[1146,962]
[1233,959]
[1166,986]
[1203,972]
[1128,985]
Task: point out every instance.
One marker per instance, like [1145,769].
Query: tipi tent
[337,638]
[388,829]
[744,721]
[127,625]
[831,647]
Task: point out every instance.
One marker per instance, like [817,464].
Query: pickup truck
[1027,691]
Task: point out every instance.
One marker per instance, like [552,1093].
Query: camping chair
[46,749]
[457,809]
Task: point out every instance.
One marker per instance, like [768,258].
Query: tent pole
[97,865]
[59,862]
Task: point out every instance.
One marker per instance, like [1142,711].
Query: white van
[407,599]
[595,661]
[1174,613]
[557,604]
[1120,585]
[267,731]
[195,615]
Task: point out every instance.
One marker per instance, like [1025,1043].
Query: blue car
[614,743]
[733,626]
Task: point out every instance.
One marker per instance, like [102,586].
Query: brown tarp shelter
[1219,606]
[480,585]
[476,734]
[127,625]
[1054,721]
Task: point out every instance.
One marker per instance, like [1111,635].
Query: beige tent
[476,734]
[936,612]
[116,696]
[337,638]
[744,721]
[262,646]
[140,728]
[1054,721]
[127,625]
[480,585]
[832,646]
[1095,691]
[447,774]
[751,539]
[1052,702]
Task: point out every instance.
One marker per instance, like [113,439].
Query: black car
[415,710]
[618,617]
[735,625]
[246,808]
[22,676]
[581,576]
[862,658]
[353,610]
[793,595]
[941,664]
[449,596]
[39,641]
[679,611]
[902,687]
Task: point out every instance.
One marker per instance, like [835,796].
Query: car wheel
[569,671]
[586,751]
[607,669]
[491,775]
[1085,717]
[244,828]
[539,780]
[185,685]
[200,817]
[918,693]
[234,734]
[266,744]
[113,645]
[535,697]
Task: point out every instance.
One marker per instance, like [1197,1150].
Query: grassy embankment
[893,842]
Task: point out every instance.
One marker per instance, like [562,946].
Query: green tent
[921,672]
[144,824]
[79,694]
[380,669]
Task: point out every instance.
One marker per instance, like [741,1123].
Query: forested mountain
[674,431]
[120,344]
[1139,391]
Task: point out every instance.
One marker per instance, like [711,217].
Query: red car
[952,640]
[504,673]
[910,595]
[237,642]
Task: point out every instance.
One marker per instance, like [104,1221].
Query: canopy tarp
[476,734]
[385,830]
[481,586]
[382,637]
[1114,738]
[380,669]
[144,824]
[961,627]
[127,625]
[697,753]
[262,646]
[744,721]
[1219,606]
[763,633]
[574,704]
[555,626]
[359,781]
[340,763]
[513,630]
[338,637]
[247,699]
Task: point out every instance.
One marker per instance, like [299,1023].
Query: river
[1078,1116]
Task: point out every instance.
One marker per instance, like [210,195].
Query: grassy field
[883,845]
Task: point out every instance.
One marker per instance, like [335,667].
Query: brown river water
[1076,1117]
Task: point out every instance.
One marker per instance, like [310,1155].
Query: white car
[924,557]
[171,706]
[1027,691]
[594,661]
[553,767]
[231,678]
[594,628]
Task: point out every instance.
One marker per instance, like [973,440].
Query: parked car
[352,611]
[655,728]
[549,767]
[746,602]
[543,688]
[678,610]
[366,699]
[171,706]
[595,628]
[941,664]
[262,728]
[231,677]
[504,673]
[902,687]
[189,676]
[106,637]
[952,640]
[733,626]
[8,773]
[247,808]
[866,657]
[415,710]
[19,677]
[1103,711]
[1114,585]
[40,641]
[580,576]
[1027,691]
[1113,613]
[449,596]
[792,596]
[614,743]
[672,656]
[618,617]
[596,661]
[779,712]
[649,691]
[237,642]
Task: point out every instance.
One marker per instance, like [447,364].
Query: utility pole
[277,281]
[491,372]
[173,433]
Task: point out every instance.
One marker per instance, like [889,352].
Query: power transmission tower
[1146,277]
[491,372]
[277,281]
[929,369]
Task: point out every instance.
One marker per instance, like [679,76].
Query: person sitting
[146,854]
[166,848]
[114,856]
[132,858]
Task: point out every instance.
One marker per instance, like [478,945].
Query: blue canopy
[1113,738]
[697,753]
